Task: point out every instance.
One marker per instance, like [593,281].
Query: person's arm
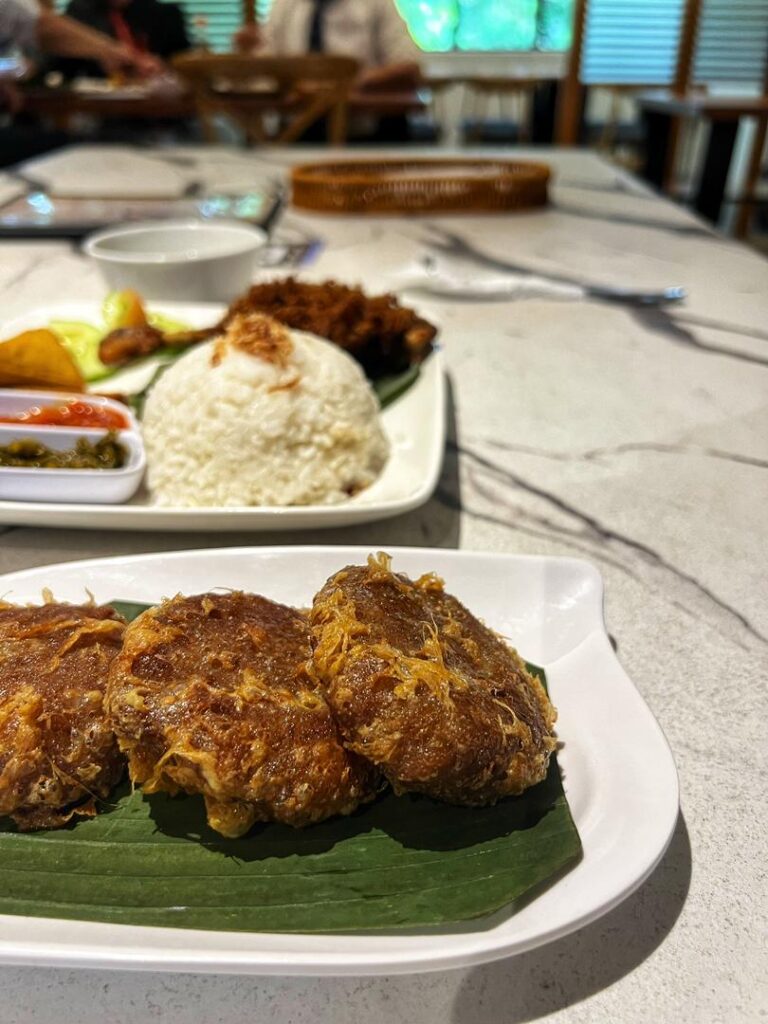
[256,38]
[64,37]
[249,39]
[403,76]
[262,37]
[397,64]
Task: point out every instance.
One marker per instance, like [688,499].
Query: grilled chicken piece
[125,344]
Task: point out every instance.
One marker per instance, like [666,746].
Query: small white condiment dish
[183,260]
[15,401]
[97,486]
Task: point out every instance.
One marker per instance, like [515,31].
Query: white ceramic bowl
[183,260]
[97,486]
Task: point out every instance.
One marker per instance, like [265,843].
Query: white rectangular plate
[118,172]
[415,424]
[618,771]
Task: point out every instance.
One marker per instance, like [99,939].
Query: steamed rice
[262,416]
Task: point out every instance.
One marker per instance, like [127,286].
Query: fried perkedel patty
[212,694]
[57,749]
[424,691]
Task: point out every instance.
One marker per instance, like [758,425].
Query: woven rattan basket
[420,186]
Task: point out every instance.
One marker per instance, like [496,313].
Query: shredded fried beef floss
[382,335]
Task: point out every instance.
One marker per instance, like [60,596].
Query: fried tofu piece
[57,749]
[213,694]
[424,691]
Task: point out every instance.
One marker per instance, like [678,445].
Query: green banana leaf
[393,385]
[401,862]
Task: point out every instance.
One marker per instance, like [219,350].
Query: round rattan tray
[419,186]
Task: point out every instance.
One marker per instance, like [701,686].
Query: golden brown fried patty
[211,694]
[56,746]
[426,692]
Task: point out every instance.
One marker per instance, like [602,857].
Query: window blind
[630,42]
[732,42]
[212,23]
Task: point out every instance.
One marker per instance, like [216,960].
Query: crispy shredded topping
[256,335]
[229,708]
[426,692]
[57,750]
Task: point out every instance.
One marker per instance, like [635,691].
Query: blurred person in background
[38,29]
[34,30]
[144,26]
[372,31]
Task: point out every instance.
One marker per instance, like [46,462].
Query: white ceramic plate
[106,172]
[619,775]
[415,425]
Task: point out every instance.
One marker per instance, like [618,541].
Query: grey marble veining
[634,438]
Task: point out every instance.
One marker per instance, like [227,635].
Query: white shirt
[18,25]
[370,30]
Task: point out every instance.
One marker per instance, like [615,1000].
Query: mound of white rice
[262,416]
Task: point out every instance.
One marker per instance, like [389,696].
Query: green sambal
[28,453]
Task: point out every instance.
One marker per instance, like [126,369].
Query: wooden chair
[274,99]
[592,25]
[749,199]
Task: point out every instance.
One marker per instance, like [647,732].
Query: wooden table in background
[61,105]
[635,438]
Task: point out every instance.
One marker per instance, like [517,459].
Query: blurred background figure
[32,30]
[372,31]
[144,26]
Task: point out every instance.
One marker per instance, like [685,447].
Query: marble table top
[636,438]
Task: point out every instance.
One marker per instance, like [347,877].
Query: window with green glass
[439,25]
[436,25]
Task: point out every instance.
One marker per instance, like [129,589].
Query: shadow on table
[562,973]
[436,524]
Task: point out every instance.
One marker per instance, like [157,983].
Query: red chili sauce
[77,412]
